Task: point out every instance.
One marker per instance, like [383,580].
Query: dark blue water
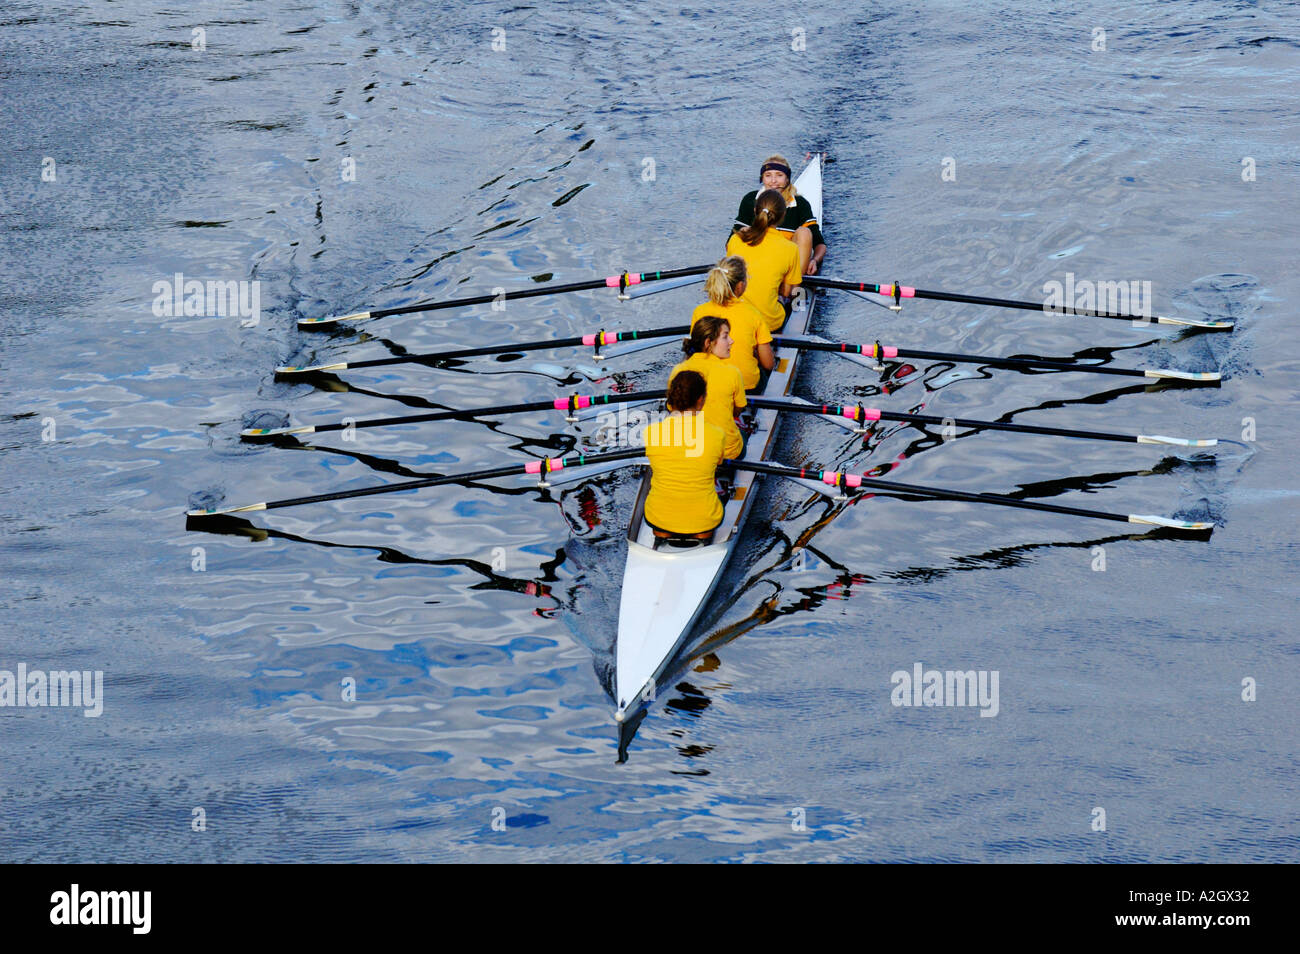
[346,156]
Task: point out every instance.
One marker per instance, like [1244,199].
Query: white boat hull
[666,592]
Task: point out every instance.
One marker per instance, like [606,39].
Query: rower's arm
[766,359]
[815,261]
[818,247]
[817,237]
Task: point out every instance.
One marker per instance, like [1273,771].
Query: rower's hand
[811,267]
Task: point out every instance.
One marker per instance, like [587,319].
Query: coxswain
[799,225]
[772,261]
[684,451]
[708,349]
[751,341]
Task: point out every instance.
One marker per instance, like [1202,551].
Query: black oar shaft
[506,471]
[1001,426]
[533,292]
[937,493]
[1040,363]
[818,282]
[467,353]
[850,411]
[593,400]
[572,342]
[1018,362]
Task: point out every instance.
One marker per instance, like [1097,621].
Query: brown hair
[723,279]
[769,210]
[685,390]
[703,333]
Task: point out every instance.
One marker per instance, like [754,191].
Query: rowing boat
[666,592]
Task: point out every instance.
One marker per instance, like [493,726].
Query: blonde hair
[789,192]
[723,279]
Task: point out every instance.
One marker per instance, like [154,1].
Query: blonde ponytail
[723,278]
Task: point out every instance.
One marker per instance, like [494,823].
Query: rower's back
[772,260]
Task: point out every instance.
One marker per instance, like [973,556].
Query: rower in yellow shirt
[772,260]
[708,348]
[684,451]
[751,340]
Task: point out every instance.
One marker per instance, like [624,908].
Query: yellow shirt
[684,451]
[771,262]
[748,330]
[724,391]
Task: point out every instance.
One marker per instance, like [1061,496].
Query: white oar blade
[1175,441]
[331,319]
[216,513]
[1183,375]
[304,368]
[275,431]
[1166,522]
[1193,323]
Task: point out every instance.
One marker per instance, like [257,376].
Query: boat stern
[664,593]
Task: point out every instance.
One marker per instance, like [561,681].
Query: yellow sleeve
[732,445]
[793,276]
[738,387]
[762,335]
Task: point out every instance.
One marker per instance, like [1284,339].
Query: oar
[621,282]
[878,351]
[837,479]
[656,287]
[572,403]
[540,467]
[860,413]
[594,340]
[896,292]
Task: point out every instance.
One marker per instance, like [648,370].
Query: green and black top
[800,213]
